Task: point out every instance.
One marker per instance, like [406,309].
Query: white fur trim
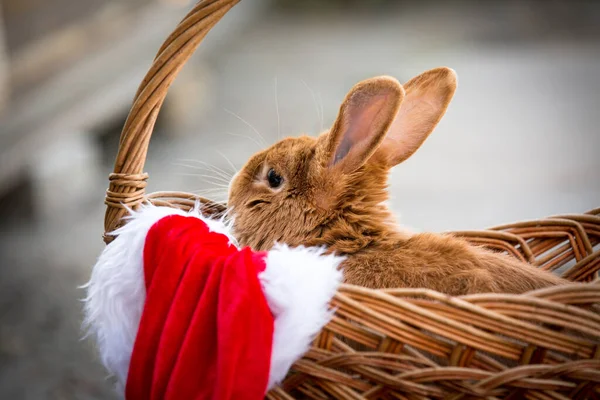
[298,283]
[116,290]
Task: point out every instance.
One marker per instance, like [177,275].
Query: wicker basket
[407,343]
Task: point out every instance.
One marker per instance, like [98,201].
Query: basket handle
[127,183]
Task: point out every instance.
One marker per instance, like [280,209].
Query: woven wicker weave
[406,343]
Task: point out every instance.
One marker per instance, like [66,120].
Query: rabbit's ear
[427,98]
[363,120]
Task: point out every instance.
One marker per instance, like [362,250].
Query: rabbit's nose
[231,184]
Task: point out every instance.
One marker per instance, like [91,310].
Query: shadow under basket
[413,343]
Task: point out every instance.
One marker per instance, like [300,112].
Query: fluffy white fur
[298,285]
[116,290]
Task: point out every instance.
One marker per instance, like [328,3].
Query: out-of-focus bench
[49,121]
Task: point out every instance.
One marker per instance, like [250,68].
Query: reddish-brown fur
[334,189]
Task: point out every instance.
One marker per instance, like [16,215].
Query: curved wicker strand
[127,183]
[168,63]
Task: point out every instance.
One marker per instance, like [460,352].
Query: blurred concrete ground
[519,141]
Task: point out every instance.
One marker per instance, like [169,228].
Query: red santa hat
[178,311]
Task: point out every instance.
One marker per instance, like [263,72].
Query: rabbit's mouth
[256,202]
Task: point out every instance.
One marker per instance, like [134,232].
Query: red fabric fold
[206,330]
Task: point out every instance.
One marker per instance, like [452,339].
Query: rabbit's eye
[274,178]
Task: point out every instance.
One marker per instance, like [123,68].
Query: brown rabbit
[330,191]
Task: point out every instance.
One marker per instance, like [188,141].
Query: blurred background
[520,140]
